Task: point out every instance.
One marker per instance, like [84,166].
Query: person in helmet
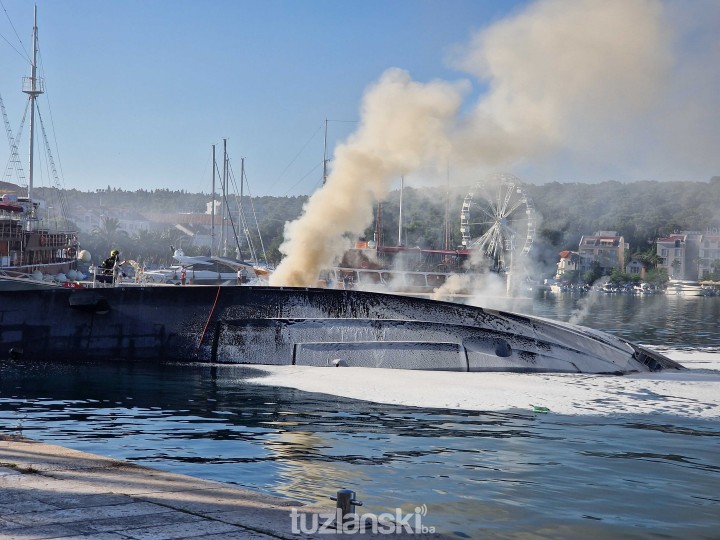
[110,267]
[111,261]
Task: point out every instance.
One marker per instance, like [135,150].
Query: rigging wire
[51,168]
[213,247]
[14,159]
[243,220]
[231,178]
[12,47]
[302,178]
[293,160]
[60,180]
[257,225]
[25,56]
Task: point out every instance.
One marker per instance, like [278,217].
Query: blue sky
[140,90]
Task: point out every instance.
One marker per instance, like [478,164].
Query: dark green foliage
[640,211]
[657,276]
[592,275]
[618,277]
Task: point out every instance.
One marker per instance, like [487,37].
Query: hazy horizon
[549,91]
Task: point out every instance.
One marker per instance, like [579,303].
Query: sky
[137,92]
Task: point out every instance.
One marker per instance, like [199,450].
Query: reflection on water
[479,474]
[475,472]
[655,319]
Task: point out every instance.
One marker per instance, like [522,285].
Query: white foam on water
[691,393]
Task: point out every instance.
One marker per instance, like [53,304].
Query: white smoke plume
[404,126]
[584,305]
[454,285]
[483,289]
[586,83]
[563,75]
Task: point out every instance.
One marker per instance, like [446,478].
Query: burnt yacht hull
[278,325]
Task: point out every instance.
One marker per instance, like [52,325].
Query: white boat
[683,287]
[558,288]
[201,270]
[643,288]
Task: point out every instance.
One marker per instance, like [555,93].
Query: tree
[108,235]
[620,278]
[572,276]
[149,247]
[592,275]
[675,265]
[715,265]
[108,228]
[640,211]
[657,276]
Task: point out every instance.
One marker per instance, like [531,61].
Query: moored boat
[200,270]
[30,249]
[682,287]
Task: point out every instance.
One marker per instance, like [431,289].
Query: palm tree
[109,234]
[150,246]
[108,228]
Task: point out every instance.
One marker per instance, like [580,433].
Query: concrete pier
[47,491]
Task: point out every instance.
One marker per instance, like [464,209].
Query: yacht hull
[320,327]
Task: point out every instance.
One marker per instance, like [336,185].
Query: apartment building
[689,255]
[604,248]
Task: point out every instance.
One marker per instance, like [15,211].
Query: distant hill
[640,211]
[7,187]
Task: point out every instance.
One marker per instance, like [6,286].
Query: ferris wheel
[498,220]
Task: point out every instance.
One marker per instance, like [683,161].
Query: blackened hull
[270,325]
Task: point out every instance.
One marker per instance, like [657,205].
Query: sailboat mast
[447,209]
[223,232]
[212,210]
[400,216]
[325,154]
[241,215]
[33,87]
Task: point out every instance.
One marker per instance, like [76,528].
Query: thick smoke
[563,75]
[559,81]
[404,126]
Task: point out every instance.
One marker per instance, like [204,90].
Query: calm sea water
[480,475]
[678,322]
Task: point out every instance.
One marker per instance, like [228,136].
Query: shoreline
[49,491]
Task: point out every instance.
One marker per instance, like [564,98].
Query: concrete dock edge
[48,491]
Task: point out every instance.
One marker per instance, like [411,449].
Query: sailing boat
[218,269]
[31,254]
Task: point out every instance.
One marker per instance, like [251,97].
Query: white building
[568,263]
[689,255]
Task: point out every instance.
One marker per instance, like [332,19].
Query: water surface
[480,474]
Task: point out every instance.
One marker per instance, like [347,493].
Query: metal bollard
[345,502]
